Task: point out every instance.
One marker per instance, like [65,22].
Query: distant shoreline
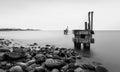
[18,29]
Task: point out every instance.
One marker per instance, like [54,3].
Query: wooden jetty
[84,37]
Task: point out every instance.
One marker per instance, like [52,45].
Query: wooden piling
[86,26]
[92,20]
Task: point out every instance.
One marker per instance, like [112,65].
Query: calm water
[106,47]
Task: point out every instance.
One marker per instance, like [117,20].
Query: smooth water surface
[106,47]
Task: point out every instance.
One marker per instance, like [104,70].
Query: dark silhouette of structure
[84,36]
[66,31]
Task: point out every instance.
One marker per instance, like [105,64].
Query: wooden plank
[79,40]
[81,32]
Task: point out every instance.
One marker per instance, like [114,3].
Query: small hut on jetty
[84,36]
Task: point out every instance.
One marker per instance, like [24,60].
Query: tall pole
[88,20]
[92,20]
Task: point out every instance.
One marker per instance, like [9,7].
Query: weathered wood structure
[84,36]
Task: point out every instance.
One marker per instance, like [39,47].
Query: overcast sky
[57,14]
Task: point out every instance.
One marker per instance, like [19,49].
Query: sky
[58,14]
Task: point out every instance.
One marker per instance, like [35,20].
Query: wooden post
[92,20]
[77,45]
[86,27]
[89,21]
[86,46]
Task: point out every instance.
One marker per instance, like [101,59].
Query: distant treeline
[18,29]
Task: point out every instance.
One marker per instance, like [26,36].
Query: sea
[106,48]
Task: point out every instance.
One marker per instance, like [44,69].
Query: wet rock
[23,65]
[79,70]
[31,67]
[13,55]
[88,66]
[39,69]
[3,63]
[55,70]
[64,68]
[70,60]
[70,70]
[79,57]
[4,50]
[54,63]
[101,69]
[8,65]
[30,62]
[56,52]
[40,58]
[2,56]
[16,69]
[1,70]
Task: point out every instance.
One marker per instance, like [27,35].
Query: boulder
[3,63]
[13,55]
[4,50]
[16,69]
[88,66]
[30,62]
[54,63]
[40,58]
[64,68]
[39,69]
[79,70]
[23,65]
[2,56]
[55,70]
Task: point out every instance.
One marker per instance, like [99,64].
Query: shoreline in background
[18,29]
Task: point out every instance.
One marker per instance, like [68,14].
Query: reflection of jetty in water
[84,36]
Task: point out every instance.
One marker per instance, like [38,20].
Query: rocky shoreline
[34,58]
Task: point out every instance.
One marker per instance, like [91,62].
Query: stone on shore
[16,69]
[79,70]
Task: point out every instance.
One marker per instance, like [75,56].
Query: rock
[16,69]
[31,67]
[23,65]
[70,60]
[13,55]
[8,65]
[70,70]
[64,68]
[88,66]
[1,70]
[54,63]
[79,70]
[2,56]
[78,57]
[39,69]
[4,50]
[55,70]
[101,69]
[3,63]
[30,62]
[56,52]
[40,58]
